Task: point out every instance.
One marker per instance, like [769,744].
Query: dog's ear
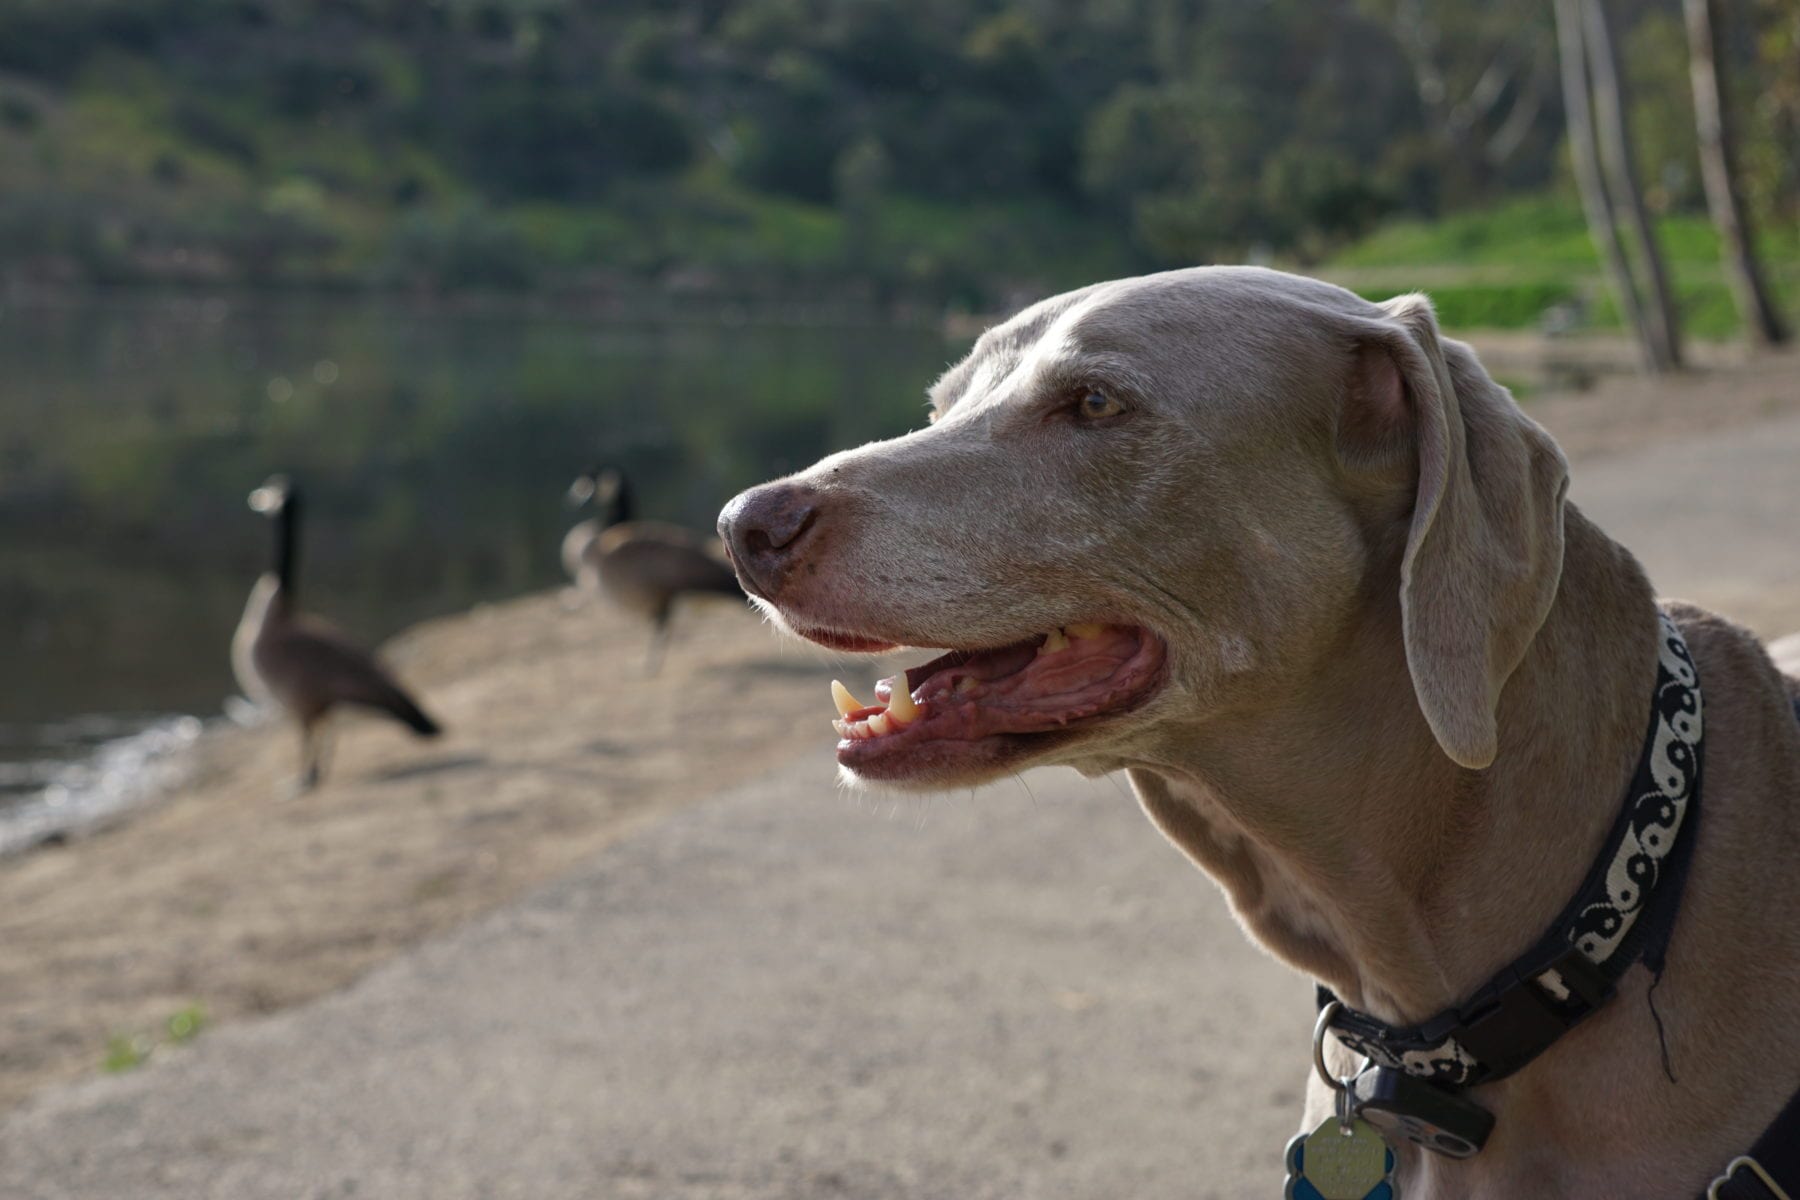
[1485,545]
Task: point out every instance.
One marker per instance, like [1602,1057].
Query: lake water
[434,448]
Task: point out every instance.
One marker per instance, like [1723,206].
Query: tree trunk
[1572,48]
[1661,321]
[1718,154]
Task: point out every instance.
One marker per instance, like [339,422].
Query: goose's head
[599,485]
[275,494]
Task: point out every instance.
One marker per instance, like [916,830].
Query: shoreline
[109,783]
[221,898]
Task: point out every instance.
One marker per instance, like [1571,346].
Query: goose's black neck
[287,539]
[620,510]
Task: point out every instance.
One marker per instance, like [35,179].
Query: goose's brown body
[643,566]
[300,663]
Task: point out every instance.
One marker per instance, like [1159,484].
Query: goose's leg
[324,742]
[304,782]
[659,637]
[310,768]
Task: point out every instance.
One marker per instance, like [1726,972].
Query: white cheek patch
[1236,656]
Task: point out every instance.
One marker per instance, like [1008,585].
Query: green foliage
[186,1024]
[1509,266]
[128,1051]
[752,146]
[1488,305]
[125,1053]
[466,248]
[1544,230]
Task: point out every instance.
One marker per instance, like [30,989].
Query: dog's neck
[1355,850]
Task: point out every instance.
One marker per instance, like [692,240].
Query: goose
[643,566]
[299,663]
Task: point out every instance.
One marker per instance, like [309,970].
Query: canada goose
[643,566]
[299,662]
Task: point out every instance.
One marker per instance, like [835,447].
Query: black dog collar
[1623,913]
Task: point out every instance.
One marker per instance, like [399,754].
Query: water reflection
[435,447]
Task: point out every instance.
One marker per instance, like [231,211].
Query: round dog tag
[1339,1161]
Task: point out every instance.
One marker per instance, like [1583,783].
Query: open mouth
[972,710]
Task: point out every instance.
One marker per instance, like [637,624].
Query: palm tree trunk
[1718,152]
[1572,51]
[1615,154]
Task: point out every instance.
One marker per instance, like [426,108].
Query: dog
[1297,565]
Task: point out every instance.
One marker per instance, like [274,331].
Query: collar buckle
[1535,1004]
[1752,1174]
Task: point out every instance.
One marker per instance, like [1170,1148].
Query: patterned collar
[1623,913]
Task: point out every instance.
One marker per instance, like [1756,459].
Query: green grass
[1540,232]
[125,1052]
[1505,267]
[129,1051]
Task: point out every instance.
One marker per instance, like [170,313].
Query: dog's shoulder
[1736,667]
[1752,734]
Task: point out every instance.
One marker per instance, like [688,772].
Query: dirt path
[226,898]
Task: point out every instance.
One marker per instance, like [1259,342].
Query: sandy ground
[228,897]
[1627,412]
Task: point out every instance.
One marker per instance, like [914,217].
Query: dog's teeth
[846,703]
[1053,642]
[842,727]
[965,685]
[901,710]
[1087,629]
[878,724]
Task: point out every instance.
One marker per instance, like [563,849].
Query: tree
[1600,146]
[1584,153]
[1662,324]
[1718,169]
[1479,74]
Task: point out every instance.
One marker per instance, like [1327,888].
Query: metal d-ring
[1323,1025]
[1346,1104]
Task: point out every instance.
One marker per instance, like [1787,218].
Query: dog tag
[1339,1161]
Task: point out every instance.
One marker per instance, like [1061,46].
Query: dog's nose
[763,530]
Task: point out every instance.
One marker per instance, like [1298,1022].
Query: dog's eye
[1098,406]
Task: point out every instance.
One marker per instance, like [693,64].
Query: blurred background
[433,253]
[435,257]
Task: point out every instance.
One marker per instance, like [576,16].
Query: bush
[470,248]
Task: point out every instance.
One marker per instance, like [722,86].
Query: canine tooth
[1053,642]
[878,724]
[1087,629]
[901,710]
[842,727]
[846,703]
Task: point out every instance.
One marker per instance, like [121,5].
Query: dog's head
[1150,501]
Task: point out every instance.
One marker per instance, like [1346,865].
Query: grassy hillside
[1507,267]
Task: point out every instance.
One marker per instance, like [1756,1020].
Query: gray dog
[1296,563]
